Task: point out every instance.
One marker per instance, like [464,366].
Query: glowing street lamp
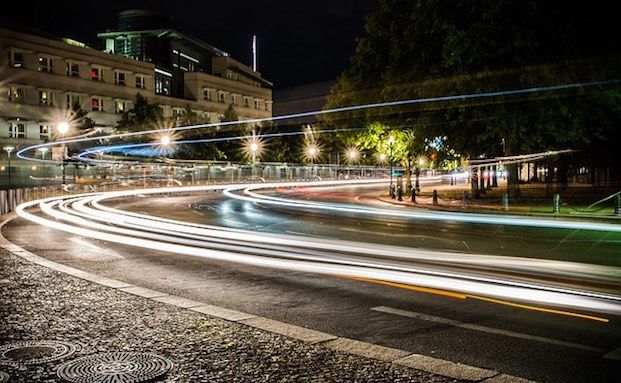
[63,127]
[382,158]
[8,149]
[165,140]
[352,155]
[312,152]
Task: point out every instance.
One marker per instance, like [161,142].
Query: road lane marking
[489,330]
[538,308]
[478,297]
[445,293]
[359,348]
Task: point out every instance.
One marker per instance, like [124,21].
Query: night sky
[300,41]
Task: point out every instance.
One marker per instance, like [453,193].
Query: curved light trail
[88,216]
[250,195]
[459,97]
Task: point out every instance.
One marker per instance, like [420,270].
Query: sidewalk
[42,304]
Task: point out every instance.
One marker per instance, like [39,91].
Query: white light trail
[85,215]
[462,97]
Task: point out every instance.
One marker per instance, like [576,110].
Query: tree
[79,117]
[424,48]
[142,116]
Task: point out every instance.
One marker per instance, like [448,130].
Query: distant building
[184,65]
[42,76]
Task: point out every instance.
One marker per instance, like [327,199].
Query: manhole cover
[4,377]
[117,367]
[34,351]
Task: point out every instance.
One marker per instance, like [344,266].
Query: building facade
[42,77]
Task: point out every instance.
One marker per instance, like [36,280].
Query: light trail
[86,215]
[83,155]
[492,219]
[461,97]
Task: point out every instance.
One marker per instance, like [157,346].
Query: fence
[127,177]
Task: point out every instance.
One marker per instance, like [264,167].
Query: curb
[309,336]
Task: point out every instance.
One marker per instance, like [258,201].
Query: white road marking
[489,330]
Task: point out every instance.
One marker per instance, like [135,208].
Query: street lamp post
[8,150]
[391,140]
[63,128]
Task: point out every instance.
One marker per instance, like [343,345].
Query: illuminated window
[256,104]
[162,85]
[45,64]
[234,99]
[16,59]
[119,106]
[17,130]
[73,69]
[97,103]
[221,97]
[45,98]
[119,78]
[96,74]
[44,131]
[16,94]
[207,94]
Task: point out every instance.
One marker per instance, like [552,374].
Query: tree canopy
[427,48]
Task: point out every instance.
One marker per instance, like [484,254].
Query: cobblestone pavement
[40,304]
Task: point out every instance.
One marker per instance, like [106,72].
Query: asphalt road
[534,345]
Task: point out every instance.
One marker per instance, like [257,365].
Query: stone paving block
[292,331]
[143,292]
[445,367]
[504,378]
[178,301]
[221,312]
[368,350]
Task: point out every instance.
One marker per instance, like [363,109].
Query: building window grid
[221,97]
[16,59]
[207,94]
[97,104]
[44,131]
[73,99]
[16,94]
[45,64]
[73,69]
[141,82]
[45,98]
[17,130]
[96,74]
[119,106]
[119,78]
